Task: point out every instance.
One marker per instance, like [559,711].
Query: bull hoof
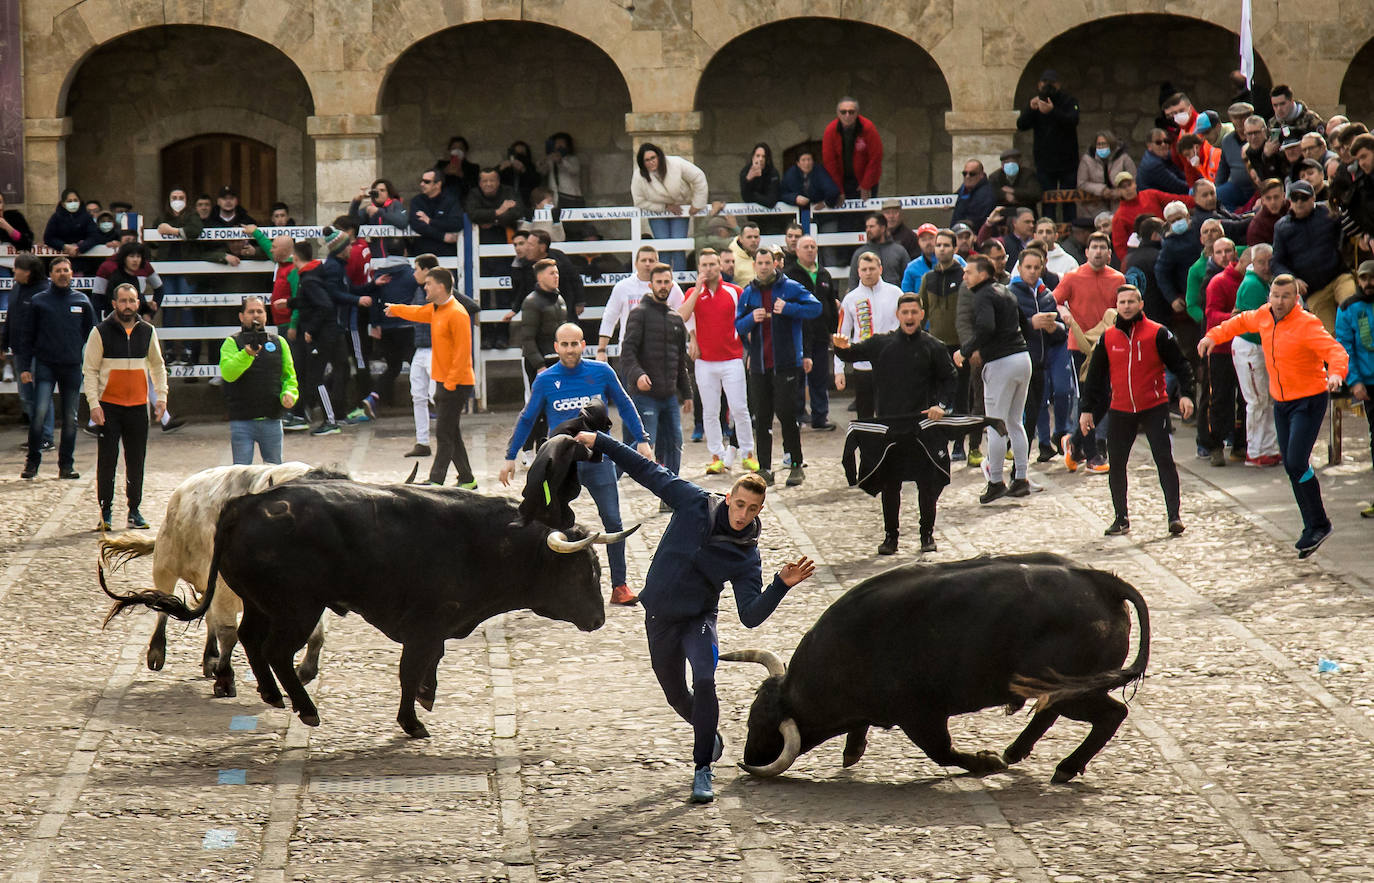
[987,762]
[426,702]
[208,666]
[225,690]
[310,720]
[1063,776]
[156,659]
[306,673]
[1010,757]
[274,701]
[852,758]
[416,730]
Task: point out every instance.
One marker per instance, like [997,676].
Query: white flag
[1247,45]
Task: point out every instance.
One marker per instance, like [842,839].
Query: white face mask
[1195,160]
[456,152]
[106,226]
[1181,117]
[178,205]
[72,207]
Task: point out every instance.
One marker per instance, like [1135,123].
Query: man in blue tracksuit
[559,392]
[769,322]
[711,540]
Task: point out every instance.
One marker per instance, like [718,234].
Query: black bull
[915,645]
[420,564]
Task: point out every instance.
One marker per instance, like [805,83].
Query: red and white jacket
[714,315]
[1132,356]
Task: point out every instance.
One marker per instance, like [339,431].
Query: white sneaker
[731,455]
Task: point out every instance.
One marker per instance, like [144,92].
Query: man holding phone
[259,384]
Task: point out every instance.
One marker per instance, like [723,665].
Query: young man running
[711,540]
[1127,368]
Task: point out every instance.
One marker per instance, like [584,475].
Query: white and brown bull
[183,548]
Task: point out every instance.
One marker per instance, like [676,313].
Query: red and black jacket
[1128,366]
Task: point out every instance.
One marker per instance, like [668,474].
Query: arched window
[205,163]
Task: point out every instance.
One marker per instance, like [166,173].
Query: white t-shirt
[625,296]
[865,312]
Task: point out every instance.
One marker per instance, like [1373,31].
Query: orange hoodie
[1298,350]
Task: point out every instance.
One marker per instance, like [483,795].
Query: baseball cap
[1049,75]
[961,228]
[1366,269]
[1083,222]
[927,228]
[226,190]
[1010,153]
[1291,141]
[1120,176]
[892,202]
[1300,187]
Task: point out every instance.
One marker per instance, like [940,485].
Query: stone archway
[125,108]
[496,82]
[1357,87]
[1116,72]
[753,90]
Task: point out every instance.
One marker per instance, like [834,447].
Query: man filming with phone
[259,385]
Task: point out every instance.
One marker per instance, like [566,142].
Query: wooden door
[206,163]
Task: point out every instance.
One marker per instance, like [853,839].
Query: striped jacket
[116,361]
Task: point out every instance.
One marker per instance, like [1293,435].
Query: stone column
[346,147]
[45,166]
[981,135]
[673,131]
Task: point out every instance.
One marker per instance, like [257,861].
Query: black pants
[1035,399]
[818,382]
[968,397]
[863,395]
[926,498]
[1122,428]
[673,645]
[775,393]
[1063,179]
[328,351]
[448,434]
[1085,446]
[396,345]
[1222,416]
[127,424]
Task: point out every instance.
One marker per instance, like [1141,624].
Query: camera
[373,193]
[254,336]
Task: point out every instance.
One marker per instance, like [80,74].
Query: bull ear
[414,472]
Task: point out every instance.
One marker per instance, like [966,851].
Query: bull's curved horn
[559,542]
[769,660]
[414,472]
[791,747]
[606,539]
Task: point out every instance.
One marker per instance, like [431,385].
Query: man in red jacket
[852,151]
[1135,203]
[1222,416]
[1127,370]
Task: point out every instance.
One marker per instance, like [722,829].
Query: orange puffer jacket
[1298,350]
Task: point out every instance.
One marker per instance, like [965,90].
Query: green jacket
[1197,287]
[1252,294]
[234,361]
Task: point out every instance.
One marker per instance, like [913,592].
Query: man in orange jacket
[451,369]
[1306,365]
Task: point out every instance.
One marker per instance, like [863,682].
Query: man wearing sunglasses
[436,217]
[1157,170]
[1307,245]
[852,151]
[975,198]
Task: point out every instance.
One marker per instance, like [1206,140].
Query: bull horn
[769,660]
[606,539]
[414,472]
[791,747]
[559,542]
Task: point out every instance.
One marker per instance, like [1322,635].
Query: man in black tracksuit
[710,540]
[804,267]
[914,381]
[324,340]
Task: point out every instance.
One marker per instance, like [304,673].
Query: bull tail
[115,552]
[164,603]
[1055,688]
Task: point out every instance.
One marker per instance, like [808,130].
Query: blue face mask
[1104,152]
[1011,168]
[1179,226]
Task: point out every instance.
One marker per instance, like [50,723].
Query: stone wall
[1114,68]
[499,82]
[143,91]
[1357,90]
[760,87]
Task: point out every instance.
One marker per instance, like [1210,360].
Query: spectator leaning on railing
[14,228]
[71,230]
[664,184]
[436,217]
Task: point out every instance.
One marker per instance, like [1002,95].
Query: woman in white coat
[664,184]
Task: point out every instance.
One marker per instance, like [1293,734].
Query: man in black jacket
[805,268]
[1307,244]
[1052,114]
[913,381]
[324,339]
[653,361]
[537,248]
[48,352]
[436,217]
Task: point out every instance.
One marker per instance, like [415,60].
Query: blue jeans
[1061,390]
[26,403]
[818,382]
[599,480]
[663,423]
[244,434]
[671,228]
[1299,422]
[67,380]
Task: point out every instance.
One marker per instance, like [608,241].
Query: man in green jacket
[1252,376]
[259,382]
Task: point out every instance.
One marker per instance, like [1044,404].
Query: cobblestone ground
[553,756]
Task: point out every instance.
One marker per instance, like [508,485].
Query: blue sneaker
[701,786]
[370,402]
[698,433]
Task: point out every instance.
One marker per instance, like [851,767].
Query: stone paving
[554,758]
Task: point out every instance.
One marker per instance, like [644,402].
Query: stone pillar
[345,158]
[673,131]
[45,166]
[981,135]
